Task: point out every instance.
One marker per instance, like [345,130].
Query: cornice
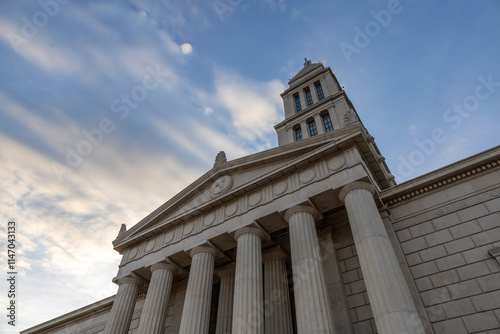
[72,318]
[446,176]
[75,317]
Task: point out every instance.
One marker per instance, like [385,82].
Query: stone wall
[446,244]
[357,298]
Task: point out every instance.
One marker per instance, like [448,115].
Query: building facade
[313,236]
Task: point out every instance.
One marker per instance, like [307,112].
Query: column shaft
[278,312]
[389,295]
[248,317]
[155,307]
[226,299]
[314,314]
[123,306]
[196,311]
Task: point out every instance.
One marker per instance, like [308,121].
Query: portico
[260,216]
[254,292]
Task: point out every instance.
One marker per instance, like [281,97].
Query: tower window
[327,122]
[298,133]
[313,131]
[298,106]
[308,97]
[321,96]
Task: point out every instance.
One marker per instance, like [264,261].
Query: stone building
[313,236]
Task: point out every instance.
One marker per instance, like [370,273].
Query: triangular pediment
[231,180]
[227,182]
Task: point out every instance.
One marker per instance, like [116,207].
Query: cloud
[52,129]
[66,228]
[39,50]
[62,244]
[254,107]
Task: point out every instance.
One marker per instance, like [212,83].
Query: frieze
[169,237]
[231,210]
[209,219]
[336,164]
[255,199]
[150,245]
[292,183]
[460,205]
[280,188]
[307,176]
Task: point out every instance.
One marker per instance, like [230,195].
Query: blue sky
[149,91]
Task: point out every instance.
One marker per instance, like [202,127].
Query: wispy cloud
[254,107]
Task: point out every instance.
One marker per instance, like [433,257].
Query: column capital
[203,249]
[355,185]
[132,278]
[274,254]
[163,265]
[302,208]
[251,230]
[227,270]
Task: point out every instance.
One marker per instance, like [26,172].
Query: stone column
[196,311]
[123,305]
[248,314]
[389,295]
[314,314]
[155,307]
[226,298]
[278,312]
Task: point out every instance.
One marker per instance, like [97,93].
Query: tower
[314,104]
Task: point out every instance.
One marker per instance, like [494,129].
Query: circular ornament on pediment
[150,245]
[221,185]
[280,188]
[188,228]
[255,199]
[336,163]
[169,236]
[133,253]
[307,176]
[209,219]
[231,210]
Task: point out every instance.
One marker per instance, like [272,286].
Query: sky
[108,109]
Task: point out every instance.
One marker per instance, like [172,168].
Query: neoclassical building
[313,236]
